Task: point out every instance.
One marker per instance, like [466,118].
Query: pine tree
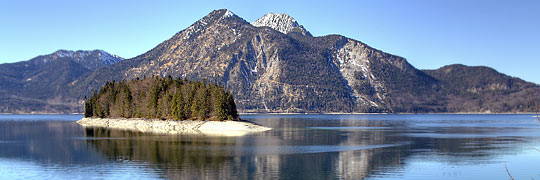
[153,101]
[200,107]
[88,107]
[231,107]
[192,88]
[127,101]
[177,106]
[219,104]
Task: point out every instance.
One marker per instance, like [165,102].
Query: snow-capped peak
[228,14]
[280,22]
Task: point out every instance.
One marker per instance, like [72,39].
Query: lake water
[299,147]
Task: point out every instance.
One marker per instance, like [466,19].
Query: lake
[440,146]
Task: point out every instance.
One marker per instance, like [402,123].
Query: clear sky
[504,35]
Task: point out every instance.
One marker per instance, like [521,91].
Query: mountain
[483,89]
[39,84]
[271,66]
[276,65]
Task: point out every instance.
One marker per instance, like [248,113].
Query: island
[166,105]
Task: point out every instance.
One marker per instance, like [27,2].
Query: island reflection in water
[329,147]
[299,147]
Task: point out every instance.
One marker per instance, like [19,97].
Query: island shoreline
[158,126]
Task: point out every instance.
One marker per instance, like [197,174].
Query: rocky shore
[218,128]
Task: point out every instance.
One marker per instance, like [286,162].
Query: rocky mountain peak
[283,23]
[220,13]
[228,14]
[215,16]
[221,18]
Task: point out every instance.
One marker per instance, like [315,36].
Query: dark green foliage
[177,106]
[199,108]
[88,111]
[167,98]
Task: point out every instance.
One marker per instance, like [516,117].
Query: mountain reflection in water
[298,147]
[337,150]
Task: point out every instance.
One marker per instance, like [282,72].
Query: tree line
[163,98]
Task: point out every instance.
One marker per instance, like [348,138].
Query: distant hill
[275,65]
[483,89]
[40,84]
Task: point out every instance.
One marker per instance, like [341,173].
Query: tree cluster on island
[163,98]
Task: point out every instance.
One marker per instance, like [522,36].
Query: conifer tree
[88,107]
[127,101]
[153,98]
[177,106]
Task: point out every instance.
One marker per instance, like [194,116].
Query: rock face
[274,70]
[282,23]
[40,84]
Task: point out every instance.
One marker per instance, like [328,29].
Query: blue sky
[504,35]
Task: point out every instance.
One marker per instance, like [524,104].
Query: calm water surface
[299,147]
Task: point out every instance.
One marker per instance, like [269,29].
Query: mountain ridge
[484,89]
[39,84]
[271,71]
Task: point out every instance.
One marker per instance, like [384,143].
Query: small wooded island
[165,105]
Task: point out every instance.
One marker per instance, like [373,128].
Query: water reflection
[299,147]
[318,147]
[45,142]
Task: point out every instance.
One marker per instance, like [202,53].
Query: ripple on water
[278,150]
[99,138]
[27,169]
[350,128]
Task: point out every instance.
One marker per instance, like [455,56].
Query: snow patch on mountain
[109,59]
[280,22]
[91,59]
[64,53]
[228,14]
